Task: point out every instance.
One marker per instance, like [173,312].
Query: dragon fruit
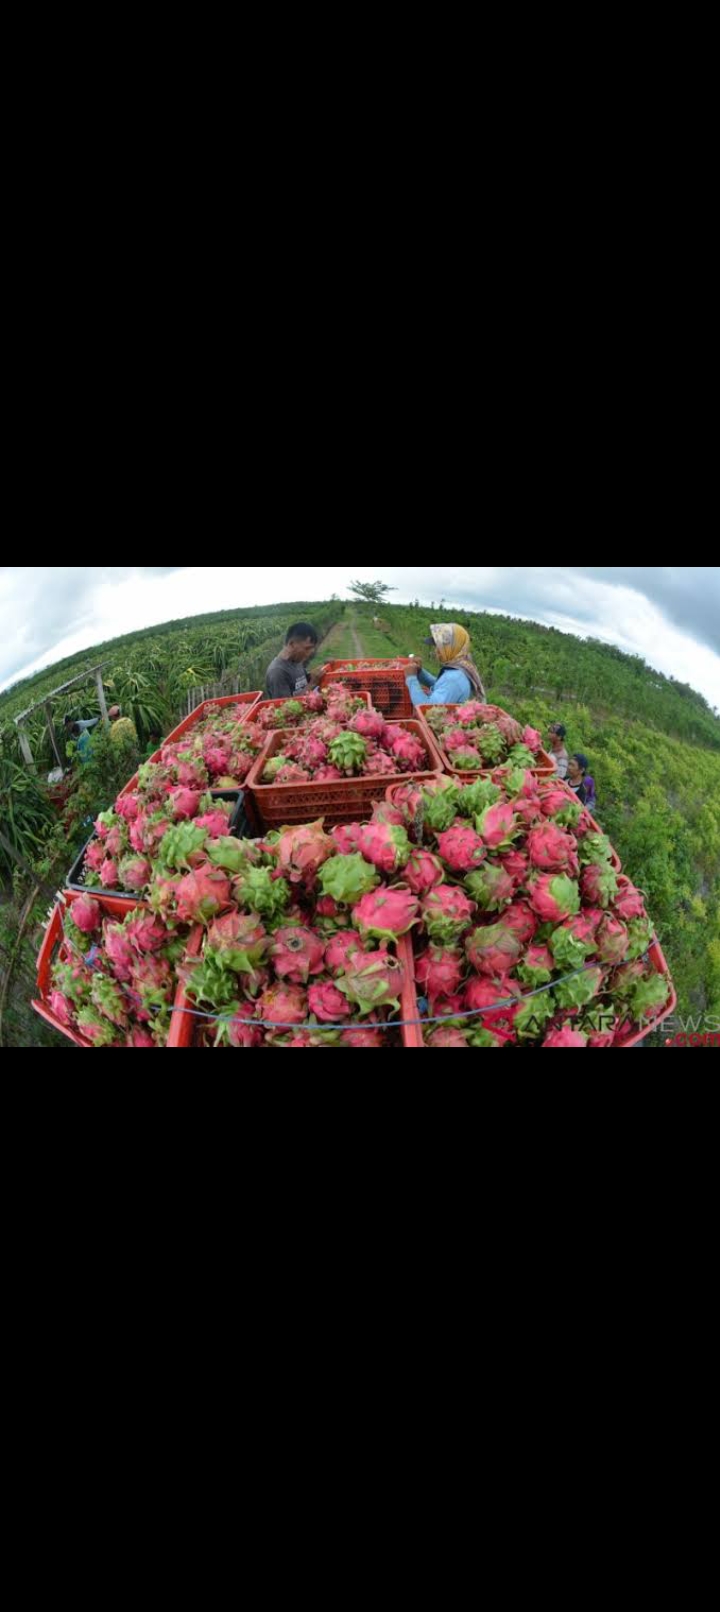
[153,980]
[385,845]
[185,802]
[498,825]
[384,812]
[263,892]
[341,946]
[612,940]
[241,942]
[283,1004]
[137,833]
[584,926]
[135,872]
[622,983]
[520,918]
[358,1036]
[296,953]
[214,823]
[60,1006]
[454,739]
[553,896]
[493,950]
[203,893]
[86,914]
[291,774]
[422,871]
[484,994]
[448,1007]
[579,989]
[96,1028]
[536,967]
[598,884]
[94,856]
[192,775]
[372,980]
[554,800]
[550,849]
[568,951]
[138,1037]
[438,805]
[302,851]
[407,751]
[217,760]
[241,1030]
[599,1025]
[347,878]
[640,936]
[468,759]
[314,701]
[446,1035]
[490,743]
[446,913]
[109,873]
[347,837]
[628,902]
[532,1016]
[460,847]
[313,753]
[473,798]
[473,712]
[104,823]
[490,886]
[327,1003]
[116,841]
[327,775]
[532,739]
[144,931]
[127,806]
[648,997]
[380,765]
[385,914]
[348,751]
[565,1038]
[369,724]
[516,864]
[439,970]
[108,998]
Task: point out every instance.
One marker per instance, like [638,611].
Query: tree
[371,592]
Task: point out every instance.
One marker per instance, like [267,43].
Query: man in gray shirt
[286,676]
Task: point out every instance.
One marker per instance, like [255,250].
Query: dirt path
[357,646]
[343,641]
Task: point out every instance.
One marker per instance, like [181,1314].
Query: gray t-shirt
[285,679]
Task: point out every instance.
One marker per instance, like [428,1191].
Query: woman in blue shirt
[459,679]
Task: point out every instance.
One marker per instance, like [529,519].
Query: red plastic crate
[52,939]
[387,688]
[657,957]
[184,1024]
[249,701]
[349,800]
[544,767]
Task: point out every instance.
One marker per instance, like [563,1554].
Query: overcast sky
[669,615]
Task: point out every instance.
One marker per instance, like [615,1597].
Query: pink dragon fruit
[490,886]
[483,993]
[385,914]
[446,1036]
[520,918]
[468,759]
[537,967]
[330,916]
[86,914]
[296,953]
[406,750]
[109,873]
[527,809]
[446,913]
[439,971]
[347,837]
[214,823]
[60,1006]
[448,1007]
[127,806]
[550,849]
[584,925]
[385,845]
[612,940]
[137,1037]
[498,825]
[517,864]
[553,896]
[532,739]
[313,753]
[327,775]
[283,1004]
[95,856]
[109,1000]
[628,902]
[565,1038]
[202,894]
[372,980]
[378,765]
[145,932]
[340,946]
[358,1036]
[493,950]
[369,724]
[192,774]
[116,841]
[384,812]
[554,800]
[460,847]
[217,759]
[598,884]
[423,871]
[137,833]
[508,727]
[454,739]
[241,1031]
[314,701]
[327,1003]
[135,872]
[301,851]
[185,802]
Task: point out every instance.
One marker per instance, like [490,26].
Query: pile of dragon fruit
[114,983]
[334,701]
[510,890]
[478,737]
[366,747]
[301,950]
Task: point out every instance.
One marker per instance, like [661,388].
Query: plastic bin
[295,727]
[544,766]
[657,957]
[247,701]
[75,880]
[387,687]
[348,800]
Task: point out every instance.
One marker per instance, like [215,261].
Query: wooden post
[25,747]
[101,699]
[51,731]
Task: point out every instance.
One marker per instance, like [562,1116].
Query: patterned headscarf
[453,649]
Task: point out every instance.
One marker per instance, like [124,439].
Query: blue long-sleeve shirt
[452,687]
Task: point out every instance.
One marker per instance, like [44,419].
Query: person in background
[458,680]
[580,780]
[80,732]
[287,676]
[557,748]
[83,725]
